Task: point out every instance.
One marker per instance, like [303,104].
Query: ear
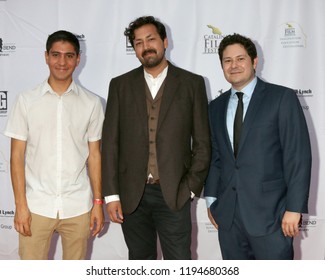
[78,59]
[165,43]
[46,57]
[255,63]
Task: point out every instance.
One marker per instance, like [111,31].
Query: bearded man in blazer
[256,198]
[155,147]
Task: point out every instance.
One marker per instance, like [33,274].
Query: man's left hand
[290,223]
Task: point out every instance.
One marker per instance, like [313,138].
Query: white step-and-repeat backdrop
[290,37]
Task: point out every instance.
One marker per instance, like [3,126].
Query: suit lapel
[138,89]
[252,110]
[224,121]
[170,90]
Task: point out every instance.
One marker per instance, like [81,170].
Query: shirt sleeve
[17,125]
[96,122]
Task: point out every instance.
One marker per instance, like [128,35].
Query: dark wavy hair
[139,22]
[237,39]
[63,35]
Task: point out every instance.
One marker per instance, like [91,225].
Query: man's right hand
[212,219]
[114,210]
[22,221]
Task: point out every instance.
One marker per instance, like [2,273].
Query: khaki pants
[74,233]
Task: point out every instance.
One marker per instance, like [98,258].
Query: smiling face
[238,68]
[149,47]
[62,60]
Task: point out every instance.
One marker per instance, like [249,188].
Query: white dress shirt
[57,130]
[154,84]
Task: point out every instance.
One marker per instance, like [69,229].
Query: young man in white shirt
[55,132]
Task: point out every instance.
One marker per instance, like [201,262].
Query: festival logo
[292,35]
[212,40]
[6,48]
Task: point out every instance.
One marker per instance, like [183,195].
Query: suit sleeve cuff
[111,198]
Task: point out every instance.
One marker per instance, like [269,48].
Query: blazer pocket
[273,185]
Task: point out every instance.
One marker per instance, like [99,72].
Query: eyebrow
[148,36]
[229,57]
[71,53]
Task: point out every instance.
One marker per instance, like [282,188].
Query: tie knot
[240,95]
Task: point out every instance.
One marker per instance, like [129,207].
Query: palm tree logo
[215,30]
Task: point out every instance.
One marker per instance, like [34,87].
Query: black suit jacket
[271,173]
[183,138]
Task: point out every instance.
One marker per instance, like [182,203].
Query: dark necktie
[238,121]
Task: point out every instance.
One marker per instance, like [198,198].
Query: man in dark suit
[156,147]
[257,186]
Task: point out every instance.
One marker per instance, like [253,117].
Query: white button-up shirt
[154,84]
[57,130]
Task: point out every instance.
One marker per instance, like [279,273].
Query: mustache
[149,51]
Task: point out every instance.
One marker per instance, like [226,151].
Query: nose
[145,45]
[233,64]
[62,59]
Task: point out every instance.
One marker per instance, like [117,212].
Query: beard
[152,60]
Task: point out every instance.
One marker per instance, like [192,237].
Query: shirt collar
[247,90]
[46,88]
[161,75]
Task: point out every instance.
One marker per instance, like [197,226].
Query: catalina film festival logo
[292,35]
[6,48]
[212,40]
[3,103]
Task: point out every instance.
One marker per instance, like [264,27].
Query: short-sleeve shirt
[57,130]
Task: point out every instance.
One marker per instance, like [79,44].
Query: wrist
[98,201]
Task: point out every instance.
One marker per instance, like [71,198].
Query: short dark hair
[63,35]
[139,22]
[238,39]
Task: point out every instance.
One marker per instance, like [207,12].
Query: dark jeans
[151,217]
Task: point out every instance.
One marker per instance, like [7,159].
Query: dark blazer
[272,171]
[183,138]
